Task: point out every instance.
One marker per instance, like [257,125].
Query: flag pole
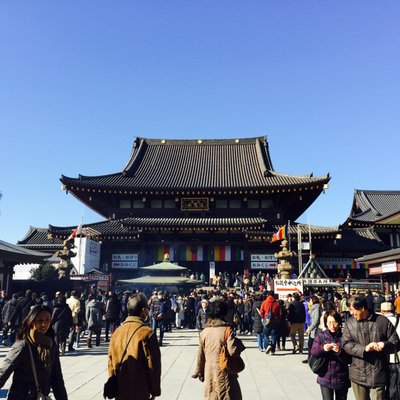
[80,247]
[299,249]
[309,238]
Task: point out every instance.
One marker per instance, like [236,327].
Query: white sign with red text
[283,287]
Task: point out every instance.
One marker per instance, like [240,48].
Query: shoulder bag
[393,388]
[232,365]
[318,365]
[110,390]
[39,394]
[267,319]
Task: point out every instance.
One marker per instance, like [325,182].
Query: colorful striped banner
[159,251]
[228,253]
[191,253]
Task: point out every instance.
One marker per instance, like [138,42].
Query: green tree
[44,272]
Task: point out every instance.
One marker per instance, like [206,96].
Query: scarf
[43,344]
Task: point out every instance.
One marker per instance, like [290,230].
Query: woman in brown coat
[218,384]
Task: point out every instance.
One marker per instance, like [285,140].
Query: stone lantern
[284,256]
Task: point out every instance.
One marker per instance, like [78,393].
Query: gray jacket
[315,315]
[369,368]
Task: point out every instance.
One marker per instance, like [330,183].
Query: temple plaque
[194,204]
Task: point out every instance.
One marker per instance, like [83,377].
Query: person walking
[257,324]
[62,322]
[271,307]
[34,347]
[203,315]
[134,348]
[334,380]
[315,316]
[6,313]
[296,321]
[283,329]
[75,306]
[218,384]
[179,313]
[157,314]
[369,339]
[113,309]
[93,319]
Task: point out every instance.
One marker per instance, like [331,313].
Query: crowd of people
[354,333]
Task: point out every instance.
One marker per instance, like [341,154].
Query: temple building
[212,205]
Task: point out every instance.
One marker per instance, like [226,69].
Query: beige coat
[75,306]
[218,384]
[140,373]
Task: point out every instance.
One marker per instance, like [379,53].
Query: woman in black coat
[62,323]
[37,335]
[257,324]
[113,310]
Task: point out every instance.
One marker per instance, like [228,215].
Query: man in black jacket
[22,309]
[296,320]
[369,338]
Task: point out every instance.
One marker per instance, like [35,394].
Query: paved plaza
[282,376]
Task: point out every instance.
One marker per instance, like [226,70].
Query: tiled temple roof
[372,206]
[14,253]
[166,165]
[39,239]
[53,237]
[193,223]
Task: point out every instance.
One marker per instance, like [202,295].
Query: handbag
[232,364]
[318,365]
[110,390]
[39,394]
[393,389]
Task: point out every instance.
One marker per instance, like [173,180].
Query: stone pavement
[279,377]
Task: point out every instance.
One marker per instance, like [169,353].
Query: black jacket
[257,325]
[62,320]
[297,313]
[369,368]
[8,310]
[22,310]
[23,387]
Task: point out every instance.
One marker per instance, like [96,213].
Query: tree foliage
[44,272]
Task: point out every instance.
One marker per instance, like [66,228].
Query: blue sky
[80,80]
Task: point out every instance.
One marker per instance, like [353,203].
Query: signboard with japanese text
[263,261]
[283,287]
[125,261]
[125,257]
[316,282]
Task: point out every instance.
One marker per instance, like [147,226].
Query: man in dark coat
[22,309]
[6,313]
[369,339]
[296,321]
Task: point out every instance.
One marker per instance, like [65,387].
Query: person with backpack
[270,309]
